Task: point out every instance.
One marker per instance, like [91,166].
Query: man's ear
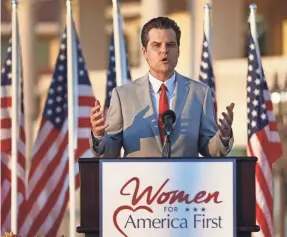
[144,52]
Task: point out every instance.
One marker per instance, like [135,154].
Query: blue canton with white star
[111,74]
[206,71]
[256,84]
[6,74]
[56,105]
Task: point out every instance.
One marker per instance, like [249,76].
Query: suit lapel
[144,96]
[181,93]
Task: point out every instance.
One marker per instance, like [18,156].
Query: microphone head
[168,114]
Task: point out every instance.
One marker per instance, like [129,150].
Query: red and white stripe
[48,192]
[266,146]
[6,147]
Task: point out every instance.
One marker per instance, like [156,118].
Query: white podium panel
[176,197]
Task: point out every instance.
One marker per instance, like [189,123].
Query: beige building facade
[42,23]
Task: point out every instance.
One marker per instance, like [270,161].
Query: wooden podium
[245,195]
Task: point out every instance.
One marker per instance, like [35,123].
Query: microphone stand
[168,146]
[168,119]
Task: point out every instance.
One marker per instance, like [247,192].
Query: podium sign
[167,198]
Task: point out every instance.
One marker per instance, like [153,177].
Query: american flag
[111,74]
[263,139]
[6,144]
[206,70]
[48,177]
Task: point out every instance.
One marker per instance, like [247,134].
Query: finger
[95,109]
[224,124]
[221,129]
[97,115]
[230,109]
[231,106]
[230,112]
[227,118]
[97,102]
[101,128]
[98,122]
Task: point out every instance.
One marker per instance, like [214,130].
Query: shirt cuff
[96,139]
[225,140]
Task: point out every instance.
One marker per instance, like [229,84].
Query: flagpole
[193,13]
[117,40]
[122,48]
[207,24]
[71,66]
[253,29]
[15,115]
[124,65]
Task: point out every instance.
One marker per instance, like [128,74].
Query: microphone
[168,118]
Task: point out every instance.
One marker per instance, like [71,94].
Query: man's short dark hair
[159,23]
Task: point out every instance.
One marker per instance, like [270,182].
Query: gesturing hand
[225,124]
[97,120]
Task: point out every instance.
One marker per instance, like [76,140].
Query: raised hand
[97,120]
[225,124]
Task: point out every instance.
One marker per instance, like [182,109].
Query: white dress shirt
[155,91]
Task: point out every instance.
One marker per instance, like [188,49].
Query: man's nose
[164,48]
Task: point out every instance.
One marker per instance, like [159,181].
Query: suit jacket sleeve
[110,144]
[210,143]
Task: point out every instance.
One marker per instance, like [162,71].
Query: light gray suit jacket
[133,123]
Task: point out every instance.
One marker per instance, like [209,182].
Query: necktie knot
[163,87]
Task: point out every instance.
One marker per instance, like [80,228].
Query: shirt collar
[156,84]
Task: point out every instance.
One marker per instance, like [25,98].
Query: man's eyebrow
[155,42]
[169,42]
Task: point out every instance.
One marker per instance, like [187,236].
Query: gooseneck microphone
[168,118]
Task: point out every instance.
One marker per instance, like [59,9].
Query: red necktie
[163,106]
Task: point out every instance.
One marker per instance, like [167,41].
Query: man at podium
[134,120]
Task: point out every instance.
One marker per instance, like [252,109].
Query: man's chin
[166,69]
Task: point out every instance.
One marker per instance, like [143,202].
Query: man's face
[162,51]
